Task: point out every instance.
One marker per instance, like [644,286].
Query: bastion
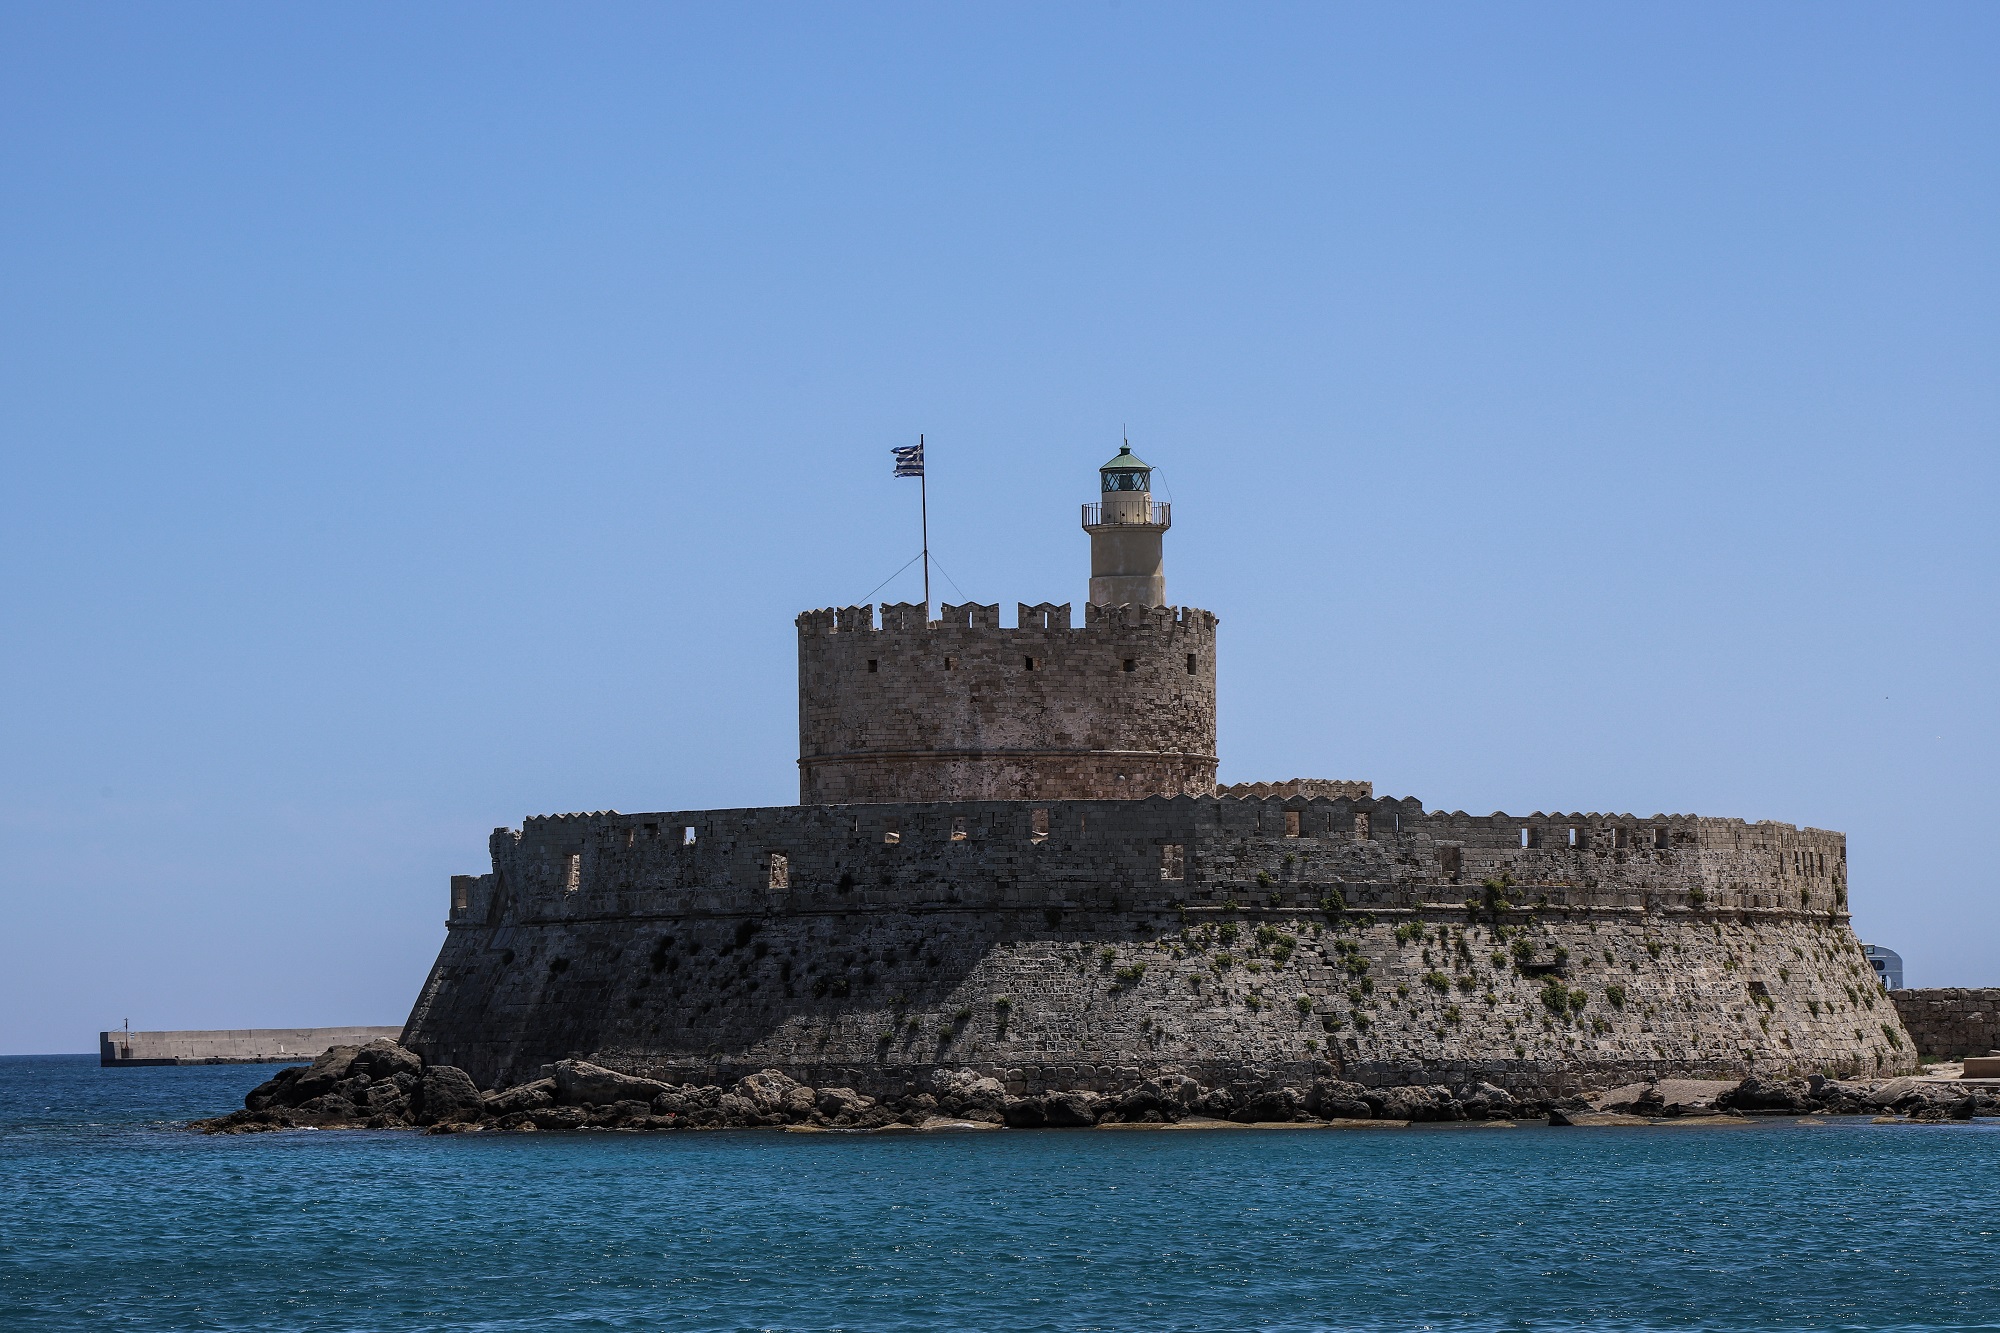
[1011,859]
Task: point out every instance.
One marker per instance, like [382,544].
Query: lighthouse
[1126,530]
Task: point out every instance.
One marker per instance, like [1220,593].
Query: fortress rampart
[1948,1022]
[962,709]
[1011,858]
[1061,943]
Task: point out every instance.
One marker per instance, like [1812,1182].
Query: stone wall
[962,709]
[1949,1022]
[1071,943]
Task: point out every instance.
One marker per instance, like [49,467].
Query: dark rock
[740,1112]
[1218,1102]
[579,1083]
[446,1095]
[321,1076]
[1332,1099]
[915,1108]
[1275,1104]
[842,1106]
[381,1099]
[1051,1110]
[384,1059]
[522,1097]
[687,1100]
[1756,1095]
[1070,1109]
[1484,1101]
[560,1117]
[327,1106]
[271,1092]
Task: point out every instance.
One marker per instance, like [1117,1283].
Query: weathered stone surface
[1484,1101]
[579,1083]
[384,1059]
[1692,948]
[445,1095]
[522,1097]
[774,1098]
[1946,1023]
[1336,1099]
[1052,1110]
[882,718]
[322,1075]
[1419,1104]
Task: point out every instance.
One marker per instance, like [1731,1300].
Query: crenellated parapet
[1160,854]
[962,708]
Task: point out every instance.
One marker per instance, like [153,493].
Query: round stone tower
[960,709]
[1126,530]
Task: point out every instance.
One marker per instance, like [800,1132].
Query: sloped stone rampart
[1949,1022]
[697,946]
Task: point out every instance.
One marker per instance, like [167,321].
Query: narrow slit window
[1173,861]
[1038,825]
[958,833]
[1191,667]
[1291,823]
[781,871]
[630,834]
[1659,837]
[1449,861]
[873,664]
[687,836]
[461,895]
[951,664]
[1621,837]
[573,872]
[1027,664]
[1131,664]
[1572,837]
[1524,838]
[892,833]
[1361,827]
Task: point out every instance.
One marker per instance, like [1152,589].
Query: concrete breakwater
[1091,946]
[226,1046]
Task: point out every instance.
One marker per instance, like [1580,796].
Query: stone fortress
[1010,860]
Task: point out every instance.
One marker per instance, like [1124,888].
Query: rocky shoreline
[384,1086]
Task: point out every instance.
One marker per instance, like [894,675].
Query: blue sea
[114,1218]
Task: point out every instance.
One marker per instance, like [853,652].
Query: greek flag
[909,460]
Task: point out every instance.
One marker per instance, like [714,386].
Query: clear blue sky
[418,417]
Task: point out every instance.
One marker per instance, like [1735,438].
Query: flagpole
[924,508]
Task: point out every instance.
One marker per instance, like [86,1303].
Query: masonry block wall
[1076,943]
[961,709]
[1949,1022]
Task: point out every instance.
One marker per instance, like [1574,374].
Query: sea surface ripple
[117,1219]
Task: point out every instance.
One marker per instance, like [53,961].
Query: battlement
[906,617]
[962,708]
[1158,854]
[1296,787]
